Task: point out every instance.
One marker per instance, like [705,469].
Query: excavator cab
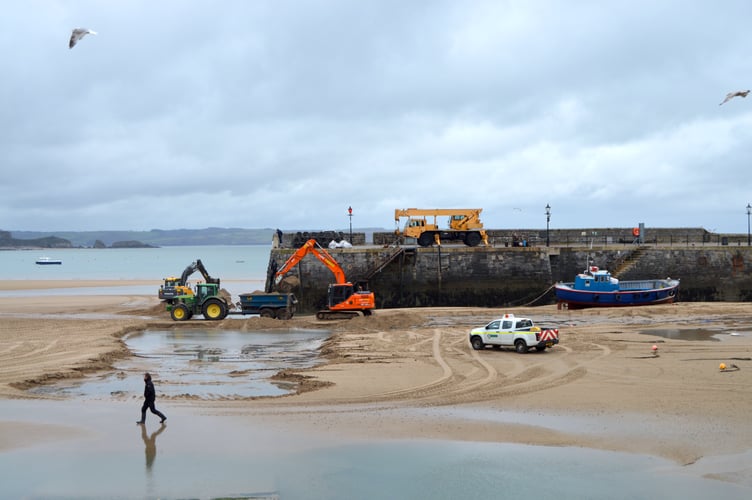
[172,288]
[339,293]
[347,299]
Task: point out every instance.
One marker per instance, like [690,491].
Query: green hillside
[159,237]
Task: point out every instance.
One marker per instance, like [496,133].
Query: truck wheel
[180,313]
[477,343]
[425,239]
[266,313]
[472,239]
[214,309]
[520,346]
[284,313]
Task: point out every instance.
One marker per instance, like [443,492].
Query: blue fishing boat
[597,288]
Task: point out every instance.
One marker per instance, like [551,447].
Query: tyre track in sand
[472,376]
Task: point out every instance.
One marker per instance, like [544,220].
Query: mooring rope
[538,297]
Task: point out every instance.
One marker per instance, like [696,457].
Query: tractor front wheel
[180,312]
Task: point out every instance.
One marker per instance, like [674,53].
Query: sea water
[231,262]
[241,268]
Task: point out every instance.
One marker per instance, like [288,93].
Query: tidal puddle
[204,364]
[686,333]
[439,470]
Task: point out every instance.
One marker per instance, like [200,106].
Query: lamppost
[749,212]
[548,219]
[349,214]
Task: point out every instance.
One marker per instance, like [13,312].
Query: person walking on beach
[149,396]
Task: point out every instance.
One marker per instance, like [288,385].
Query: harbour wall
[499,276]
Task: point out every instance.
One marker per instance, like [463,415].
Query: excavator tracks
[334,315]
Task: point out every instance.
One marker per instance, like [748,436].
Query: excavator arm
[205,273]
[311,246]
[190,269]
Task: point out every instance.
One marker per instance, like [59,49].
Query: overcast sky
[282,113]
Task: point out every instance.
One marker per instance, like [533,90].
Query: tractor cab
[206,290]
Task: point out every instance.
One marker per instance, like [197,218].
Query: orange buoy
[722,366]
[635,232]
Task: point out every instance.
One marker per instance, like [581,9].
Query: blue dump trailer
[267,305]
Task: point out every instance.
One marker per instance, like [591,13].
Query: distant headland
[8,242]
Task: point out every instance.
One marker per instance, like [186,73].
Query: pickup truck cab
[511,331]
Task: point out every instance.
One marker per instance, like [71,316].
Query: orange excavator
[344,301]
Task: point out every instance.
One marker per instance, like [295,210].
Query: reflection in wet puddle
[206,364]
[686,333]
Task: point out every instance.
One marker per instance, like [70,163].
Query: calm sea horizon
[230,262]
[241,268]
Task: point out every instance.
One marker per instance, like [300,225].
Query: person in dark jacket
[149,396]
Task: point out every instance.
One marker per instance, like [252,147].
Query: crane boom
[312,246]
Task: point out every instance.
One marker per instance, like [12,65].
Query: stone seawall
[511,276]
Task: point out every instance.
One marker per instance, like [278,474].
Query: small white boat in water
[42,261]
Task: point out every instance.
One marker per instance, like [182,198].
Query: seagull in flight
[738,93]
[78,34]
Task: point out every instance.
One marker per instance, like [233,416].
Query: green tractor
[205,301]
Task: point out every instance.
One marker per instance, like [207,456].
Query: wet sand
[412,374]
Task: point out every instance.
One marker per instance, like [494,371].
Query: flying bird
[738,93]
[78,34]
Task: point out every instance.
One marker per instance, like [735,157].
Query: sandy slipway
[412,373]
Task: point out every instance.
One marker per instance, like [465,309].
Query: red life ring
[636,232]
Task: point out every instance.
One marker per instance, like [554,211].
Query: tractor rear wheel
[180,312]
[214,309]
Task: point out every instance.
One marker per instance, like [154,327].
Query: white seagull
[78,34]
[738,93]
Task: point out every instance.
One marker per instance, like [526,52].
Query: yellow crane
[464,225]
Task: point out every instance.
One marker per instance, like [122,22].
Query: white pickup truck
[510,331]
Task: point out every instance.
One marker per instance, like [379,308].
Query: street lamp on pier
[548,219]
[749,212]
[349,214]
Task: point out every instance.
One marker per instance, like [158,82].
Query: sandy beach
[602,387]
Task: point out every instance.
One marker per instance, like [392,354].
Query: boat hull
[48,262]
[664,293]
